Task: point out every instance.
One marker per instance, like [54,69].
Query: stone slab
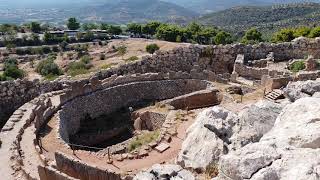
[162,147]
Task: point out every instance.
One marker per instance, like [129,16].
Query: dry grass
[143,139]
[212,171]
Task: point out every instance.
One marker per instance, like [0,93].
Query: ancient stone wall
[80,170]
[14,94]
[111,99]
[49,173]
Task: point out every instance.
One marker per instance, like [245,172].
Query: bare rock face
[254,121]
[207,138]
[301,89]
[290,150]
[217,131]
[298,125]
[168,171]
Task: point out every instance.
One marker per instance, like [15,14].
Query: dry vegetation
[102,57]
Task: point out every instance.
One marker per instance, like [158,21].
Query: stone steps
[274,95]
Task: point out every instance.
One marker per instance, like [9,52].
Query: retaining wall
[80,170]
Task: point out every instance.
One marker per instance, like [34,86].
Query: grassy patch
[297,66]
[143,139]
[75,72]
[51,77]
[107,66]
[131,59]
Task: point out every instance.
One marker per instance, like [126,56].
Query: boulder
[254,121]
[298,125]
[216,131]
[207,138]
[301,89]
[290,150]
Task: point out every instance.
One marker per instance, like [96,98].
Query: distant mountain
[115,11]
[207,6]
[267,18]
[124,11]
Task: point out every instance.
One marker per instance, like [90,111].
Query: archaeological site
[222,112]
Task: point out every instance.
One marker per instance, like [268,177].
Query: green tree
[111,29]
[302,31]
[205,35]
[315,32]
[35,27]
[169,32]
[223,38]
[89,26]
[152,48]
[284,35]
[252,36]
[194,28]
[73,24]
[47,37]
[134,28]
[150,28]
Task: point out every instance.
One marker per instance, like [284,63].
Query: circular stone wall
[110,100]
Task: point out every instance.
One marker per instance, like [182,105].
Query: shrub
[85,59]
[152,48]
[297,66]
[143,139]
[284,35]
[48,68]
[122,50]
[11,70]
[46,50]
[315,32]
[55,49]
[132,58]
[20,51]
[80,67]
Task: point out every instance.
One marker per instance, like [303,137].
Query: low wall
[80,170]
[49,173]
[195,100]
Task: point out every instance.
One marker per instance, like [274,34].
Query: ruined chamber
[104,118]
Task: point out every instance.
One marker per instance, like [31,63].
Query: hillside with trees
[267,19]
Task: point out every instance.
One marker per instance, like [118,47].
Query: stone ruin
[181,79]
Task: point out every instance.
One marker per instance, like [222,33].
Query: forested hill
[267,18]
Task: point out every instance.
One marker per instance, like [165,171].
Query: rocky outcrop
[290,150]
[301,89]
[217,131]
[207,139]
[254,121]
[172,172]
